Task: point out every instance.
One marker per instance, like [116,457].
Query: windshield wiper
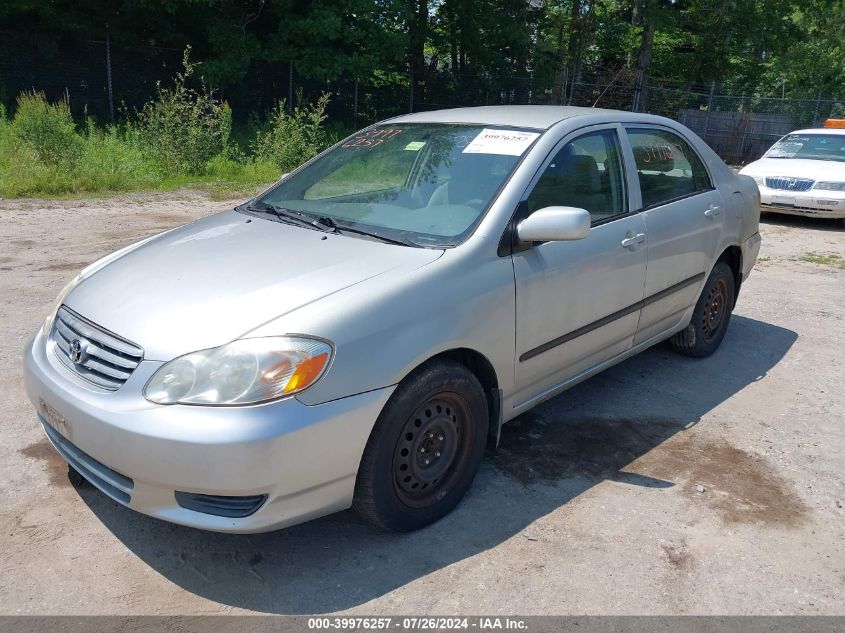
[289,215]
[324,223]
[332,225]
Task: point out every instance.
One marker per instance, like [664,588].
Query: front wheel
[710,317]
[425,448]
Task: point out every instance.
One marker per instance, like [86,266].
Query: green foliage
[513,47]
[184,128]
[109,163]
[46,129]
[825,259]
[291,138]
[226,176]
[182,138]
[51,158]
[449,52]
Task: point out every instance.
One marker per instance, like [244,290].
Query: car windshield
[812,146]
[426,184]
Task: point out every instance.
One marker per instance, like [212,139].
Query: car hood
[798,167]
[212,281]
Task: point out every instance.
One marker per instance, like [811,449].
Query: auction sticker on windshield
[506,142]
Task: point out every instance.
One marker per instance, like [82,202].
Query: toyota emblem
[77,350]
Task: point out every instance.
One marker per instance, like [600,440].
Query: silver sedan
[359,333]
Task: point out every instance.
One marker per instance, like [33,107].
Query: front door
[578,302]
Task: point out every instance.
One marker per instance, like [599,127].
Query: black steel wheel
[715,308]
[425,448]
[710,317]
[432,449]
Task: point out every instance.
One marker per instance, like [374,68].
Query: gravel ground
[663,486]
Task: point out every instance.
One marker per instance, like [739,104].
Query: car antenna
[613,81]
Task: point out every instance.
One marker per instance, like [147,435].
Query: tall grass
[184,127]
[290,138]
[182,137]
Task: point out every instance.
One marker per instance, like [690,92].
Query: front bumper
[815,203]
[304,458]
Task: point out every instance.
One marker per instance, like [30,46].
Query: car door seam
[586,329]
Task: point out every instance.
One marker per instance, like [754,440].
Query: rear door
[578,302]
[684,217]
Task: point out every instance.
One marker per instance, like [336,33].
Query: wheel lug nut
[422,449]
[437,454]
[440,437]
[427,462]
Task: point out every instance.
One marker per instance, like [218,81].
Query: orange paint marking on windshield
[371,138]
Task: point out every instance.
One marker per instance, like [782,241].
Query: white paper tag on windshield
[506,142]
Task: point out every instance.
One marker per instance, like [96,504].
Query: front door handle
[713,211]
[628,242]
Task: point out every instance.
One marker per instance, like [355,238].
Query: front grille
[798,207]
[788,183]
[218,505]
[118,487]
[105,359]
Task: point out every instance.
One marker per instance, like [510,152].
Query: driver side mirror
[555,224]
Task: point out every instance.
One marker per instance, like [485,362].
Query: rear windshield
[812,146]
[430,183]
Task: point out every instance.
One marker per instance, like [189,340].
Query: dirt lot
[591,505]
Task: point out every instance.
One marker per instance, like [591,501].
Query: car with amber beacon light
[804,173]
[359,333]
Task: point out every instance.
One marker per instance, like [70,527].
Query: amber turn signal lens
[306,372]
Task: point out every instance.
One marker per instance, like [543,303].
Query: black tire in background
[425,448]
[711,315]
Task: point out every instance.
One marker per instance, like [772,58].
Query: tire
[711,315]
[437,414]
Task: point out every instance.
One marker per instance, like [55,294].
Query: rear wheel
[711,315]
[425,448]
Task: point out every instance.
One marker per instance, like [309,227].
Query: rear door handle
[713,211]
[628,242]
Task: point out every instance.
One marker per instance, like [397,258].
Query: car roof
[540,117]
[821,130]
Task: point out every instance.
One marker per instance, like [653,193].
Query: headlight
[759,180]
[830,186]
[247,371]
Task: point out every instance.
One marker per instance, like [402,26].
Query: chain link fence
[108,80]
[738,127]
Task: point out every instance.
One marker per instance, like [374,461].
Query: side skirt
[551,392]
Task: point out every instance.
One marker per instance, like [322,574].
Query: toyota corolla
[356,336]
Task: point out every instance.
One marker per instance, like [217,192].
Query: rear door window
[667,166]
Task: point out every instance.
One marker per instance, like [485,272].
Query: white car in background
[804,173]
